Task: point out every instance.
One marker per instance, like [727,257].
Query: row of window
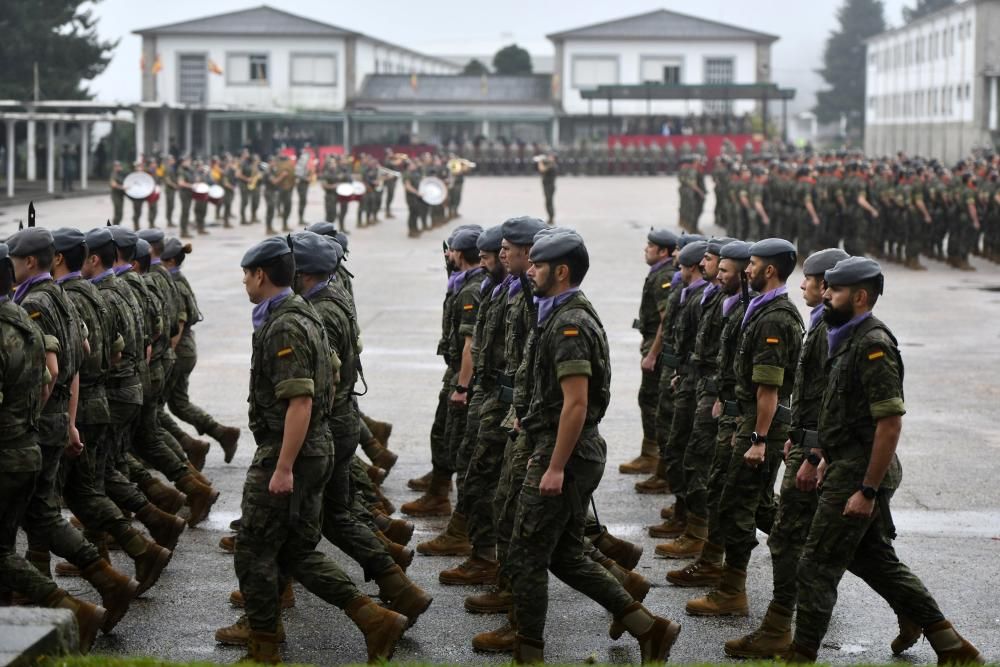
[590,71]
[921,49]
[920,103]
[307,69]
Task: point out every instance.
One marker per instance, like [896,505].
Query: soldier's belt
[783,415]
[803,437]
[685,369]
[668,358]
[851,450]
[731,409]
[711,386]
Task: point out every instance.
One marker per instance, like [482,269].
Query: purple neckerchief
[659,265]
[101,276]
[4,298]
[546,304]
[452,279]
[709,291]
[814,316]
[690,288]
[68,276]
[503,286]
[676,279]
[461,277]
[124,268]
[515,288]
[486,285]
[730,303]
[758,301]
[23,288]
[263,309]
[174,271]
[155,261]
[837,335]
[315,288]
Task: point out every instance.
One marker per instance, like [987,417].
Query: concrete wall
[949,142]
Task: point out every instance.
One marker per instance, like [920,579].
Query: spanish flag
[142,63]
[157,65]
[413,81]
[213,67]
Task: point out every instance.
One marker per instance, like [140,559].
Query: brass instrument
[458,165]
[256,176]
[388,173]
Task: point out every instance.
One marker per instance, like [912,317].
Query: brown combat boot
[634,584]
[729,599]
[238,634]
[472,572]
[228,544]
[381,627]
[453,541]
[379,455]
[375,474]
[41,561]
[229,440]
[500,640]
[909,634]
[655,484]
[196,451]
[399,531]
[200,498]
[706,571]
[667,512]
[149,557]
[164,528]
[286,601]
[116,590]
[263,648]
[89,617]
[433,503]
[798,654]
[951,648]
[771,639]
[166,498]
[528,651]
[382,503]
[421,483]
[688,545]
[672,527]
[402,595]
[496,601]
[198,475]
[381,430]
[646,462]
[402,556]
[96,537]
[656,635]
[623,552]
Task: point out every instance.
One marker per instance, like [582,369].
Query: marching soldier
[303,177]
[116,183]
[170,187]
[548,167]
[229,182]
[137,167]
[185,181]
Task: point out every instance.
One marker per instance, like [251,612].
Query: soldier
[269,180]
[185,180]
[329,184]
[415,205]
[170,187]
[290,395]
[303,177]
[570,393]
[660,246]
[965,224]
[116,183]
[229,182]
[244,173]
[548,167]
[25,382]
[769,344]
[858,431]
[284,179]
[201,175]
[137,167]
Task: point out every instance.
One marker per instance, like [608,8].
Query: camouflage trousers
[117,484]
[746,490]
[649,395]
[177,387]
[685,402]
[791,527]
[836,544]
[699,456]
[148,442]
[483,475]
[280,534]
[440,454]
[717,476]
[464,433]
[664,409]
[549,535]
[515,462]
[17,574]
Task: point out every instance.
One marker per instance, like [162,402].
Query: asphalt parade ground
[947,510]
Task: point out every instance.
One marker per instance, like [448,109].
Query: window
[317,69]
[968,91]
[655,69]
[593,71]
[247,68]
[193,70]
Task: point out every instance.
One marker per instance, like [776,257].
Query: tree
[924,7]
[844,63]
[475,68]
[57,35]
[512,60]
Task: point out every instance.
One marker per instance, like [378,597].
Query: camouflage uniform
[291,358]
[668,364]
[655,291]
[549,530]
[865,384]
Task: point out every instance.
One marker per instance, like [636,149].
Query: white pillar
[993,103]
[140,132]
[32,167]
[555,131]
[188,131]
[207,136]
[414,127]
[84,153]
[244,135]
[50,156]
[164,131]
[347,134]
[10,158]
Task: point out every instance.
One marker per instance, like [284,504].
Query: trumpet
[541,158]
[457,165]
[388,173]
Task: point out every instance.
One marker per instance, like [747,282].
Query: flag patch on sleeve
[771,341]
[284,352]
[665,285]
[877,354]
[571,332]
[468,306]
[35,315]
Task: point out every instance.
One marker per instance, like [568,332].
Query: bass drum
[199,191]
[433,191]
[139,185]
[152,199]
[216,193]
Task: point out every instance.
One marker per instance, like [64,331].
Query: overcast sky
[476,26]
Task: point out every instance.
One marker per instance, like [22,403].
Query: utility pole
[34,67]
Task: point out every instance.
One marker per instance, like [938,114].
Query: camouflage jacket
[47,304]
[22,376]
[105,342]
[462,313]
[655,292]
[124,378]
[810,378]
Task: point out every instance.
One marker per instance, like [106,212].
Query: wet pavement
[947,510]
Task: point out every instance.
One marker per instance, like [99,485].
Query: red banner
[316,160]
[713,142]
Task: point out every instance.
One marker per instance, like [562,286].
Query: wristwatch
[868,492]
[758,438]
[459,389]
[813,459]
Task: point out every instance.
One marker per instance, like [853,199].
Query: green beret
[124,238]
[489,241]
[715,245]
[98,238]
[771,248]
[67,238]
[152,235]
[692,253]
[555,245]
[854,270]
[265,251]
[662,237]
[314,253]
[29,241]
[522,230]
[142,249]
[464,239]
[822,261]
[736,250]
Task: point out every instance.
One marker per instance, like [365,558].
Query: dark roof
[662,24]
[454,88]
[262,20]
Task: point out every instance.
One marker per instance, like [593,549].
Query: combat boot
[238,634]
[772,638]
[116,590]
[399,531]
[402,595]
[263,648]
[228,544]
[379,455]
[453,541]
[798,654]
[729,599]
[40,560]
[433,503]
[646,462]
[656,635]
[400,554]
[164,528]
[688,545]
[672,527]
[706,571]
[909,634]
[228,438]
[198,475]
[200,498]
[375,474]
[472,572]
[667,512]
[500,640]
[96,537]
[381,627]
[621,551]
[951,648]
[167,499]
[89,617]
[421,483]
[528,651]
[286,601]
[657,483]
[149,557]
[634,584]
[496,601]
[196,451]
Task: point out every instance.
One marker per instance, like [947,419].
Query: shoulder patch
[284,352]
[665,285]
[771,341]
[571,331]
[35,315]
[468,306]
[877,354]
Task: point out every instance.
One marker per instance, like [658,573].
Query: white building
[931,86]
